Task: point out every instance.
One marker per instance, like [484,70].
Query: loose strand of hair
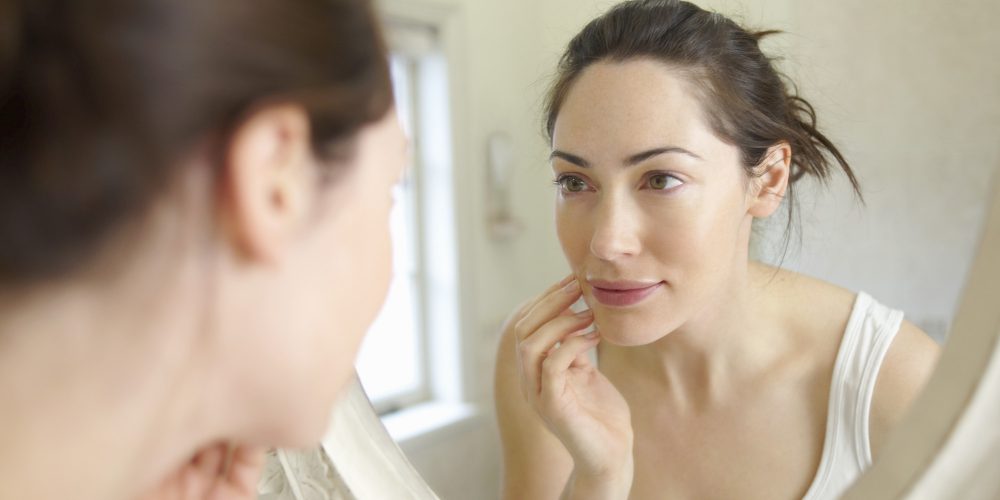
[816,143]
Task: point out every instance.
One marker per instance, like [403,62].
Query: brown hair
[100,100]
[746,99]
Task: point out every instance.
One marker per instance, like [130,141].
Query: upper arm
[536,465]
[907,366]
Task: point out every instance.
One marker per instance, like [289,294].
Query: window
[411,347]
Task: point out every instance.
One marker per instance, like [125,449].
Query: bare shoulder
[820,311]
[535,463]
[905,370]
[811,306]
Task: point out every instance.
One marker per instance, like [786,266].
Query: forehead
[615,107]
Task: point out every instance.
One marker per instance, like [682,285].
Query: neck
[89,392]
[708,359]
[104,380]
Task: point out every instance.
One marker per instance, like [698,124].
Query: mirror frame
[948,444]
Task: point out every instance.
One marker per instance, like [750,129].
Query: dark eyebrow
[630,161]
[645,155]
[574,159]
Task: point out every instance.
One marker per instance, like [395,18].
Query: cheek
[698,228]
[679,236]
[353,269]
[370,264]
[380,257]
[573,230]
[358,263]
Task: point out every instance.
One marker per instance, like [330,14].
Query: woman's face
[309,322]
[354,247]
[652,207]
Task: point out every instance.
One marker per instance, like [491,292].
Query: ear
[770,181]
[268,181]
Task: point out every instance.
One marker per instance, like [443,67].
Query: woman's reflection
[719,377]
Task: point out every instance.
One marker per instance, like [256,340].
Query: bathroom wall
[910,89]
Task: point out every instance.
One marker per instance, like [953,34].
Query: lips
[622,293]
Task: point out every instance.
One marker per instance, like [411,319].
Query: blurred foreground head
[211,178]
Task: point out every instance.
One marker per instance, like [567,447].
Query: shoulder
[815,309]
[907,366]
[821,311]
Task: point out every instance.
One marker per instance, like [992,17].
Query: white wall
[909,90]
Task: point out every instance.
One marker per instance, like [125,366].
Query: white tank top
[846,448]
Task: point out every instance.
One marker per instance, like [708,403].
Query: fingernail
[585,313]
[572,287]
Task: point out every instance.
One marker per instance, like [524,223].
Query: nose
[616,231]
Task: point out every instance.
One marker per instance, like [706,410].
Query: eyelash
[561,179]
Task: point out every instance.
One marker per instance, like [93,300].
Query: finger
[551,288]
[527,305]
[548,336]
[569,310]
[245,469]
[567,353]
[209,461]
[563,282]
[584,359]
[547,308]
[554,367]
[534,350]
[204,470]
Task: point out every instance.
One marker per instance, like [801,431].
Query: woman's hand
[218,472]
[576,401]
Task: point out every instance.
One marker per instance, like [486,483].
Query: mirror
[906,90]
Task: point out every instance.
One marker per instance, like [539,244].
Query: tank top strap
[876,332]
[846,448]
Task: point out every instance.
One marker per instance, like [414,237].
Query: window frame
[427,64]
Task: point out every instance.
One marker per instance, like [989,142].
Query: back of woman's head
[100,100]
[745,98]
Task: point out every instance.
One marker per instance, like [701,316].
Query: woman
[716,376]
[193,208]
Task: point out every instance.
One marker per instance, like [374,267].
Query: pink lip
[622,293]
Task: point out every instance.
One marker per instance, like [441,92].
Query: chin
[306,415]
[628,329]
[305,429]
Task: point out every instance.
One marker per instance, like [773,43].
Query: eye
[663,182]
[571,184]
